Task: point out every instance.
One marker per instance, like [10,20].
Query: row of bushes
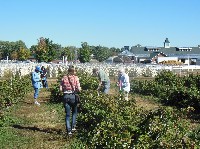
[171,89]
[14,90]
[111,122]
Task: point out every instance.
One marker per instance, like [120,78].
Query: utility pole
[75,55]
[7,59]
[188,64]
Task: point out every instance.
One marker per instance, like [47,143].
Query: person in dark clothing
[44,77]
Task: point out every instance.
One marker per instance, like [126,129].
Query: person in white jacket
[123,82]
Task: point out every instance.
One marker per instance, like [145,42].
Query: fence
[134,70]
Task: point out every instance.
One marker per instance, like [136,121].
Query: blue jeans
[44,83]
[106,87]
[36,93]
[68,109]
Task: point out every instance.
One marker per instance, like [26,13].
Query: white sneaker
[37,103]
[70,133]
[126,98]
[73,129]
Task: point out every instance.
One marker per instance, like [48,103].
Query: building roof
[152,55]
[193,52]
[126,53]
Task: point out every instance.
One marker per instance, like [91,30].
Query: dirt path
[43,124]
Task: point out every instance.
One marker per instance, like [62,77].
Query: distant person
[44,77]
[69,85]
[123,82]
[36,82]
[104,81]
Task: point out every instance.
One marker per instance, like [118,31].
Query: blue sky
[110,23]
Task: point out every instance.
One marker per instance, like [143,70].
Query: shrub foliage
[106,121]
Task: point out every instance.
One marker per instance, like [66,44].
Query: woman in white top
[123,82]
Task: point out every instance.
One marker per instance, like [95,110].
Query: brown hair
[94,70]
[71,71]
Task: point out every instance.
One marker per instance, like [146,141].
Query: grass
[34,127]
[10,138]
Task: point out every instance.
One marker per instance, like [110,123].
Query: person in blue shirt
[36,82]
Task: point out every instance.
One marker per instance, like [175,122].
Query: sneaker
[126,98]
[37,103]
[73,129]
[70,133]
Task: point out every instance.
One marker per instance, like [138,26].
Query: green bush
[112,122]
[14,90]
[106,121]
[172,90]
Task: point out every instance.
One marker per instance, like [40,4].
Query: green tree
[8,48]
[68,52]
[18,45]
[14,55]
[115,51]
[46,50]
[32,50]
[102,53]
[23,54]
[74,54]
[84,53]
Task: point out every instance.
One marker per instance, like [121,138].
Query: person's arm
[118,81]
[101,76]
[45,73]
[35,77]
[61,89]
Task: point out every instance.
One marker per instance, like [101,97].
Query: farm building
[149,54]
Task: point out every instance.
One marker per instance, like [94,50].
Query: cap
[37,68]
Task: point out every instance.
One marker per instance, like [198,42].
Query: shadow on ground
[45,130]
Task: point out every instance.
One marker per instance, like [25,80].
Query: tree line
[46,50]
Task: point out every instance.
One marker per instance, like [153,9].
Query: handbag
[77,98]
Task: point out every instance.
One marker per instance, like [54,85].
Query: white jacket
[123,82]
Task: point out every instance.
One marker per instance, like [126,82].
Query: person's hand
[79,90]
[60,88]
[117,83]
[99,87]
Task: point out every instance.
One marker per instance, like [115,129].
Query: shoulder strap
[70,83]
